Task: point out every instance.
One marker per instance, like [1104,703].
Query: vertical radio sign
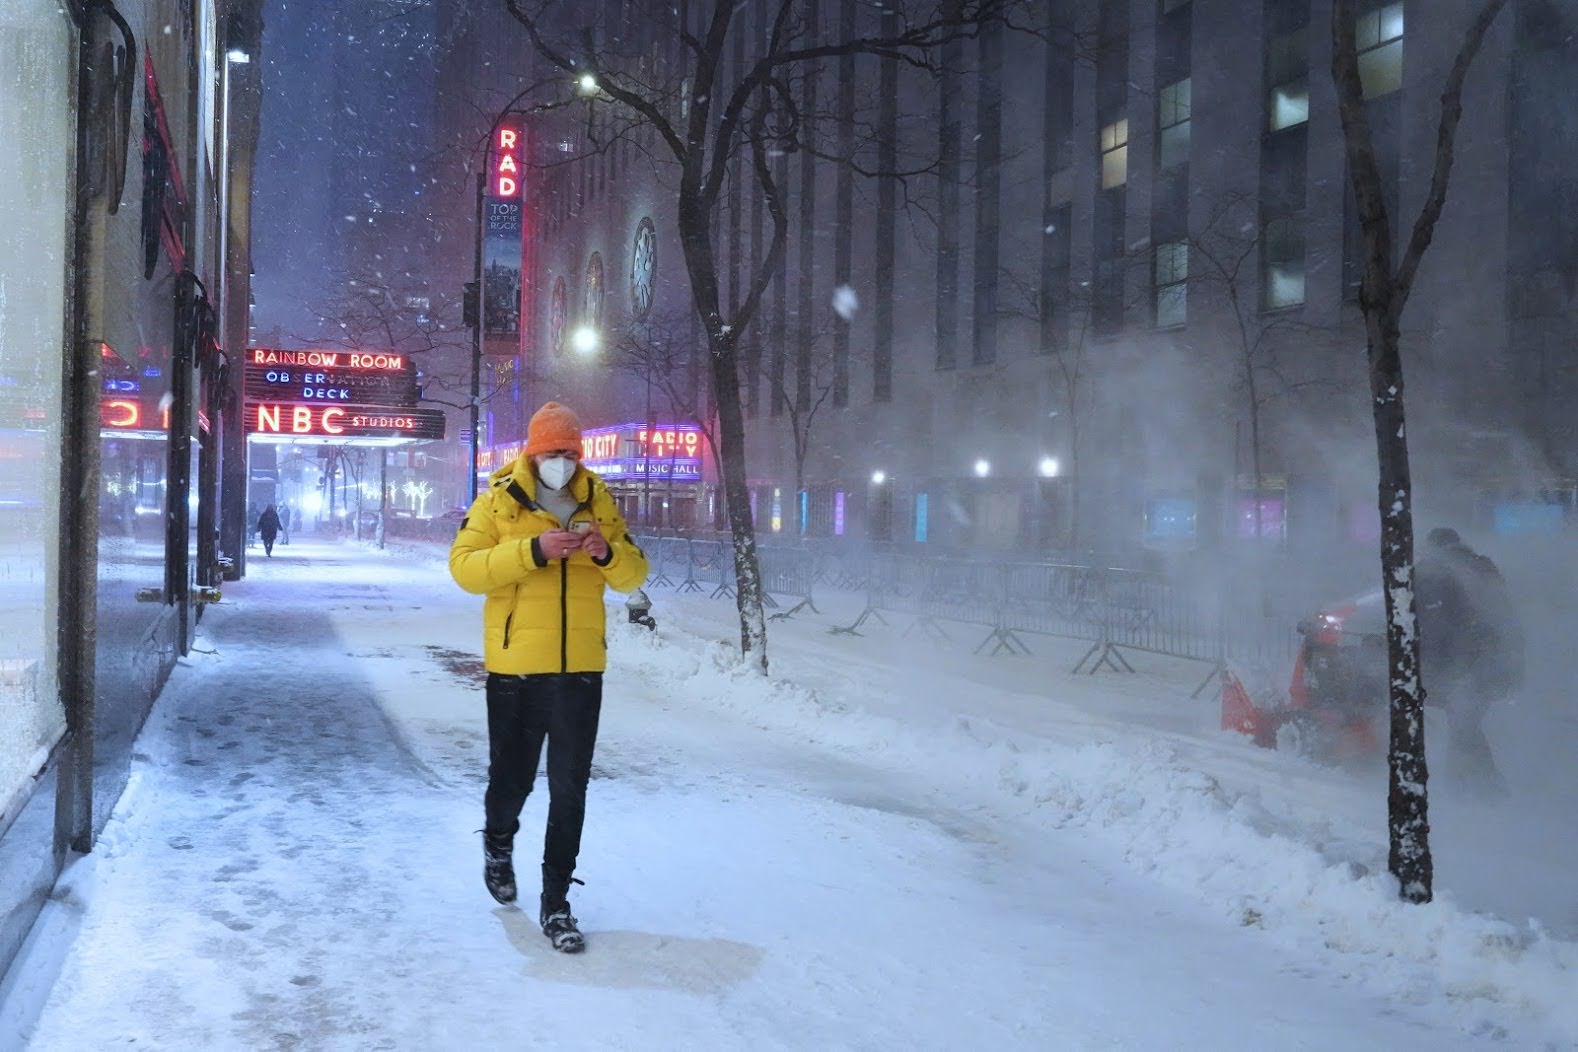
[501,241]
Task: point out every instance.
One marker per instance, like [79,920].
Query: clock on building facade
[643,268]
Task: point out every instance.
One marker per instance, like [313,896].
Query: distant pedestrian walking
[284,523]
[268,528]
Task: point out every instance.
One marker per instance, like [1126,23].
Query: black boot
[554,913]
[498,870]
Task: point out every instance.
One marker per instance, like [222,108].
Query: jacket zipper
[507,621]
[564,615]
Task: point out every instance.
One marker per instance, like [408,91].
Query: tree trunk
[695,233]
[737,501]
[1073,478]
[1382,298]
[1407,802]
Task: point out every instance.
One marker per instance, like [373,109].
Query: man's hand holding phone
[593,542]
[558,544]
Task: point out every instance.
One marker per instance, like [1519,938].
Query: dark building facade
[1117,307]
[124,281]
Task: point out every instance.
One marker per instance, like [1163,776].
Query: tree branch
[1446,139]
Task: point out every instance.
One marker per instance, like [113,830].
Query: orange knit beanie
[554,426]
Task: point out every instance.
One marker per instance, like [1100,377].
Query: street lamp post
[476,325]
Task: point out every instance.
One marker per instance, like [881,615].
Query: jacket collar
[520,481]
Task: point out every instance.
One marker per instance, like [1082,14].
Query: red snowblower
[1335,706]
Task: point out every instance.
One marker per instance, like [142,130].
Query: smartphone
[581,527]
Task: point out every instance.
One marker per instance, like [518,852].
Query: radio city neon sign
[506,163]
[670,442]
[605,443]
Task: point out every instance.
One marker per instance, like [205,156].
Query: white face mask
[556,471]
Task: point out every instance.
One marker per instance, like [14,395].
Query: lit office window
[1381,50]
[1115,154]
[1283,260]
[1172,284]
[1173,122]
[1287,71]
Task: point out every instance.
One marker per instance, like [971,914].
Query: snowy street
[871,850]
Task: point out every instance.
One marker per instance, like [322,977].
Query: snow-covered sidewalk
[785,864]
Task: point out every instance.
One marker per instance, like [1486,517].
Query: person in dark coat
[268,527]
[1472,641]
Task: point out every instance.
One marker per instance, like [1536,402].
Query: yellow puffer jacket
[541,616]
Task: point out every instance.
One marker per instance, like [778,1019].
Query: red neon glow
[661,443]
[672,442]
[286,418]
[603,446]
[373,361]
[506,163]
[120,413]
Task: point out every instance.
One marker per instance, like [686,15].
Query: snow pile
[1319,897]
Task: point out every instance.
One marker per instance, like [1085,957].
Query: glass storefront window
[34,184]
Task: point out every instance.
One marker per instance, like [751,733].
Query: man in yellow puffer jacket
[541,544]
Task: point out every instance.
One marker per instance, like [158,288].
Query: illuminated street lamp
[878,477]
[585,340]
[983,468]
[1049,467]
[588,84]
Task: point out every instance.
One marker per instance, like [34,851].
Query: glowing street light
[584,340]
[588,84]
[983,468]
[238,57]
[1049,467]
[878,477]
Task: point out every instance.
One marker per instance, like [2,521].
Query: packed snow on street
[889,843]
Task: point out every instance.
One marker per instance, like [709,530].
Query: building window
[1172,284]
[1380,35]
[1173,122]
[592,293]
[1282,255]
[1115,154]
[1287,71]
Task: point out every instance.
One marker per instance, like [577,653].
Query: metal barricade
[791,573]
[1117,610]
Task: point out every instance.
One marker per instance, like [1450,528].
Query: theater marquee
[298,420]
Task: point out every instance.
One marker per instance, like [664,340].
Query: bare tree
[371,314]
[801,402]
[660,353]
[1223,258]
[1382,296]
[1062,317]
[710,114]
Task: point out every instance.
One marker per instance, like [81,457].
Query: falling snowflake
[845,302]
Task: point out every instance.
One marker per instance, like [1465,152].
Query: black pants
[522,712]
[268,544]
